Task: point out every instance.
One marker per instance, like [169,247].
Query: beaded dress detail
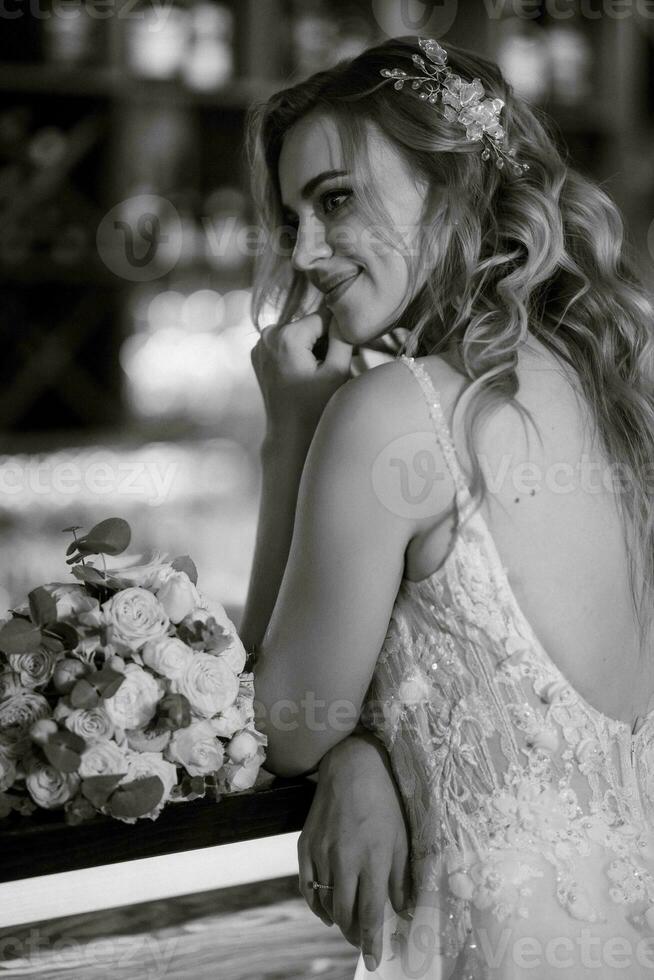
[531,813]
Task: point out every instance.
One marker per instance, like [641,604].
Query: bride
[455,553]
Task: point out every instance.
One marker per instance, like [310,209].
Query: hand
[295,385]
[355,838]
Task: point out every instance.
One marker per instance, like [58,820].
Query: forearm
[359,736]
[282,462]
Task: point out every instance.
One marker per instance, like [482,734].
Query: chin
[358,334]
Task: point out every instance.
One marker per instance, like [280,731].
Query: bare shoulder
[388,397]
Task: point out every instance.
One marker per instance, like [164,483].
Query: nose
[310,244]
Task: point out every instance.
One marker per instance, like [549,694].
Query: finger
[373,891]
[339,352]
[306,331]
[323,897]
[341,902]
[399,885]
[306,875]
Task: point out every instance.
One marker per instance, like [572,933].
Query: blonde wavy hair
[500,256]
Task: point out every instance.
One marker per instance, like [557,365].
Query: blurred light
[173,372]
[139,305]
[237,305]
[203,310]
[120,478]
[165,310]
[269,314]
[523,56]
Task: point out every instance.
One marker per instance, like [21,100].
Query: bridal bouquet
[123,691]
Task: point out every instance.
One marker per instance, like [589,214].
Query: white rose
[142,764]
[208,684]
[71,600]
[148,575]
[197,749]
[135,702]
[242,747]
[67,672]
[10,683]
[34,668]
[221,638]
[240,777]
[148,740]
[93,724]
[18,713]
[48,787]
[7,772]
[41,730]
[167,656]
[134,617]
[178,596]
[231,720]
[234,656]
[62,709]
[102,758]
[207,609]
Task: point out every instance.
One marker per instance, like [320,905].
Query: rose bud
[41,730]
[178,596]
[242,747]
[174,712]
[67,673]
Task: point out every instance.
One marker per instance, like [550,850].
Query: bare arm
[356,835]
[282,460]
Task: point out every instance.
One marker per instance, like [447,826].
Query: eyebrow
[311,185]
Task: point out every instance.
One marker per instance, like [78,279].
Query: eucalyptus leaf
[136,798]
[98,789]
[19,636]
[184,563]
[65,633]
[107,681]
[84,695]
[61,754]
[51,643]
[109,537]
[43,607]
[88,574]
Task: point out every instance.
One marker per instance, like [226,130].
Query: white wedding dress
[531,812]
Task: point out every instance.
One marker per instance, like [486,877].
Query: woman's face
[333,242]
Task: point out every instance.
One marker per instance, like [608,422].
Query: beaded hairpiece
[462,102]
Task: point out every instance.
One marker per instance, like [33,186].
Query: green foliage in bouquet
[123,691]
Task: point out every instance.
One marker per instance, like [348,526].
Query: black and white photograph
[327,489]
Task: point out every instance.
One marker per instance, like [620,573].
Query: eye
[329,195]
[291,223]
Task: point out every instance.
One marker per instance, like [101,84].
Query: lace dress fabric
[530,812]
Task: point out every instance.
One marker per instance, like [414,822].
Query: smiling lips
[337,291]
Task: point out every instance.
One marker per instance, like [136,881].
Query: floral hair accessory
[463,102]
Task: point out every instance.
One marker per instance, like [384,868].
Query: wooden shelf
[44,844]
[114,83]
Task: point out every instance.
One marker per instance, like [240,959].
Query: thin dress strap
[443,434]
